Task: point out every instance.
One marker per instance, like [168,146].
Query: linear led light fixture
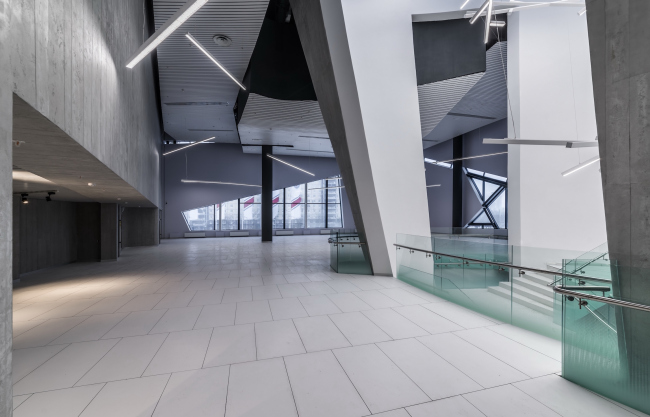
[185,147]
[326,188]
[464,4]
[564,143]
[433,185]
[213,59]
[580,166]
[220,182]
[292,166]
[498,24]
[479,11]
[471,157]
[583,11]
[173,23]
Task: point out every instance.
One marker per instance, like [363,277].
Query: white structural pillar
[551,97]
[361,60]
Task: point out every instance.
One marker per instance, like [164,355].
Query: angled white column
[362,64]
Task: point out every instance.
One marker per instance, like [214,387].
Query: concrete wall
[228,163]
[440,198]
[108,240]
[139,227]
[6,328]
[69,62]
[549,81]
[88,230]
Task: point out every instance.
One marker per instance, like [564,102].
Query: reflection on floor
[234,327]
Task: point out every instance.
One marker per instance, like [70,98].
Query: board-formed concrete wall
[69,63]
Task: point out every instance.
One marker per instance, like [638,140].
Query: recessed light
[222,40]
[91,184]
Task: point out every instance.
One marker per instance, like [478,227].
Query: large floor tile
[394,324]
[106,305]
[342,285]
[454,406]
[21,327]
[136,323]
[175,300]
[127,359]
[507,401]
[365,284]
[358,329]
[520,357]
[200,393]
[60,403]
[181,351]
[207,297]
[261,389]
[65,368]
[175,286]
[277,338]
[253,312]
[216,315]
[435,376]
[375,299]
[459,315]
[568,399]
[287,308]
[429,321]
[67,309]
[266,292]
[542,344]
[92,328]
[382,385]
[320,333]
[348,302]
[19,399]
[318,288]
[472,361]
[236,295]
[25,361]
[321,388]
[142,302]
[129,398]
[231,344]
[226,282]
[403,297]
[177,319]
[46,332]
[317,305]
[292,290]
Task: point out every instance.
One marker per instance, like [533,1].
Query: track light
[219,182]
[213,59]
[185,147]
[292,166]
[23,198]
[580,166]
[173,23]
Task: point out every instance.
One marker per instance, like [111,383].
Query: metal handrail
[501,264]
[341,242]
[607,300]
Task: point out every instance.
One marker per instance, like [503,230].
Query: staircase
[530,290]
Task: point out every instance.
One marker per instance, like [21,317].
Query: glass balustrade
[348,253]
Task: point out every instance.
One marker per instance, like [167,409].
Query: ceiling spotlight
[23,198]
[213,59]
[222,40]
[91,184]
[49,196]
[173,23]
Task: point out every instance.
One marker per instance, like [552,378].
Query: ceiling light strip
[326,188]
[580,166]
[173,23]
[433,185]
[564,143]
[185,147]
[220,182]
[464,4]
[213,59]
[466,157]
[292,166]
[488,19]
[481,10]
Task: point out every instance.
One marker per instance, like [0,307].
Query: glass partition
[348,254]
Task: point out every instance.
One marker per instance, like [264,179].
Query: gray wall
[440,198]
[217,162]
[108,239]
[6,328]
[69,62]
[139,227]
[88,232]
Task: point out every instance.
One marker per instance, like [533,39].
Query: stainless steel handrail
[342,242]
[501,264]
[607,300]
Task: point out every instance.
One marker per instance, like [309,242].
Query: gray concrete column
[108,232]
[140,227]
[267,194]
[6,260]
[619,35]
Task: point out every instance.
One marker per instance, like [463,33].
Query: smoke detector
[222,40]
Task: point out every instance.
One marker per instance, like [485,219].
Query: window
[250,212]
[313,205]
[201,218]
[491,190]
[229,215]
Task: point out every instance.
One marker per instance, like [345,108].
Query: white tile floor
[234,327]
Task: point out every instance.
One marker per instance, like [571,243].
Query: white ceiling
[188,76]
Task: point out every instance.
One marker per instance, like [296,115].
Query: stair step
[542,289]
[539,278]
[531,294]
[527,302]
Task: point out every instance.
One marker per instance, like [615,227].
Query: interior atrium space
[324,208]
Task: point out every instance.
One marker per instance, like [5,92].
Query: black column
[457,199]
[267,194]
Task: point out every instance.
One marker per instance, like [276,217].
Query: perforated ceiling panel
[197,97]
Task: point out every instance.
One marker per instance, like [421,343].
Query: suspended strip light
[464,4]
[566,144]
[219,182]
[326,188]
[481,10]
[185,147]
[488,19]
[213,59]
[433,162]
[173,23]
[433,185]
[580,166]
[583,11]
[292,166]
[498,24]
